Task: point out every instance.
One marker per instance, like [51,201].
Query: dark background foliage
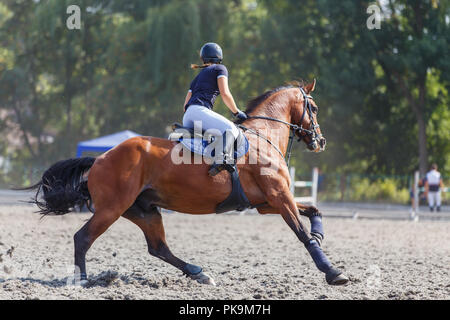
[383,94]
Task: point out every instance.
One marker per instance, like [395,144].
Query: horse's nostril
[323,142]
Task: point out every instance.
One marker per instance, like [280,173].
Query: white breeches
[434,199]
[208,119]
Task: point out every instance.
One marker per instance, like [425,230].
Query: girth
[237,200]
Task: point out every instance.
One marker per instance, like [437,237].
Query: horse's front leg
[315,218]
[284,203]
[313,214]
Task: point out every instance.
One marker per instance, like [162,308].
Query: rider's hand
[241,115]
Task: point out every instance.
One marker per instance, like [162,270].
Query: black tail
[62,187]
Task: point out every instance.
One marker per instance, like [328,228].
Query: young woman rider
[206,86]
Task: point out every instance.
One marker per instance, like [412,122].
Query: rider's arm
[188,97]
[226,94]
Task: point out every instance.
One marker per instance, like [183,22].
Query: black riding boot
[227,162]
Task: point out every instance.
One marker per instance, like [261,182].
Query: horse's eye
[315,109]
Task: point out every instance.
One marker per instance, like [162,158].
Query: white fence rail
[306,184]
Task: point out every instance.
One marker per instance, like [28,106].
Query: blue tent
[105,143]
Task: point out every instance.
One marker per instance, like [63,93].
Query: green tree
[382,94]
[412,45]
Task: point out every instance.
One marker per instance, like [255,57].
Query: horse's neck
[276,132]
[277,107]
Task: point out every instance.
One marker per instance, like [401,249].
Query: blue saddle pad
[204,148]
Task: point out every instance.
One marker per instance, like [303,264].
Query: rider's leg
[224,159]
[212,120]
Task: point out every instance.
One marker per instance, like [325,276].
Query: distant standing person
[433,187]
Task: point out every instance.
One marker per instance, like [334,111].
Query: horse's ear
[310,87]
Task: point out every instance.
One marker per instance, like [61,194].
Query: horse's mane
[254,103]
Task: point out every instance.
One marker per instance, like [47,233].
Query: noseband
[294,128]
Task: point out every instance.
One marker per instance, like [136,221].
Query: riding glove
[241,115]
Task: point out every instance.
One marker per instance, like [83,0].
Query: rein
[294,128]
[256,133]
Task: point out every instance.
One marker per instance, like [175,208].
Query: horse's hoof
[83,283]
[79,284]
[340,280]
[203,278]
[336,278]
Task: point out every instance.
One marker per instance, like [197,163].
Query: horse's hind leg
[85,237]
[150,221]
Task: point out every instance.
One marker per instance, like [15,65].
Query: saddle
[199,143]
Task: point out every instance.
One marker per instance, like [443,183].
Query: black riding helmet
[211,52]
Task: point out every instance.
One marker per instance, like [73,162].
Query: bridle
[294,129]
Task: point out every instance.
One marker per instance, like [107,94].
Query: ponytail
[196,66]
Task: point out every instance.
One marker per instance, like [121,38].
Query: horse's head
[305,116]
[293,106]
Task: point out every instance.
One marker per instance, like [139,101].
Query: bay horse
[138,177]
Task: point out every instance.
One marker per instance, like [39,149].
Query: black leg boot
[227,162]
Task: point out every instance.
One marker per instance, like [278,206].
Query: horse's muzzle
[318,144]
